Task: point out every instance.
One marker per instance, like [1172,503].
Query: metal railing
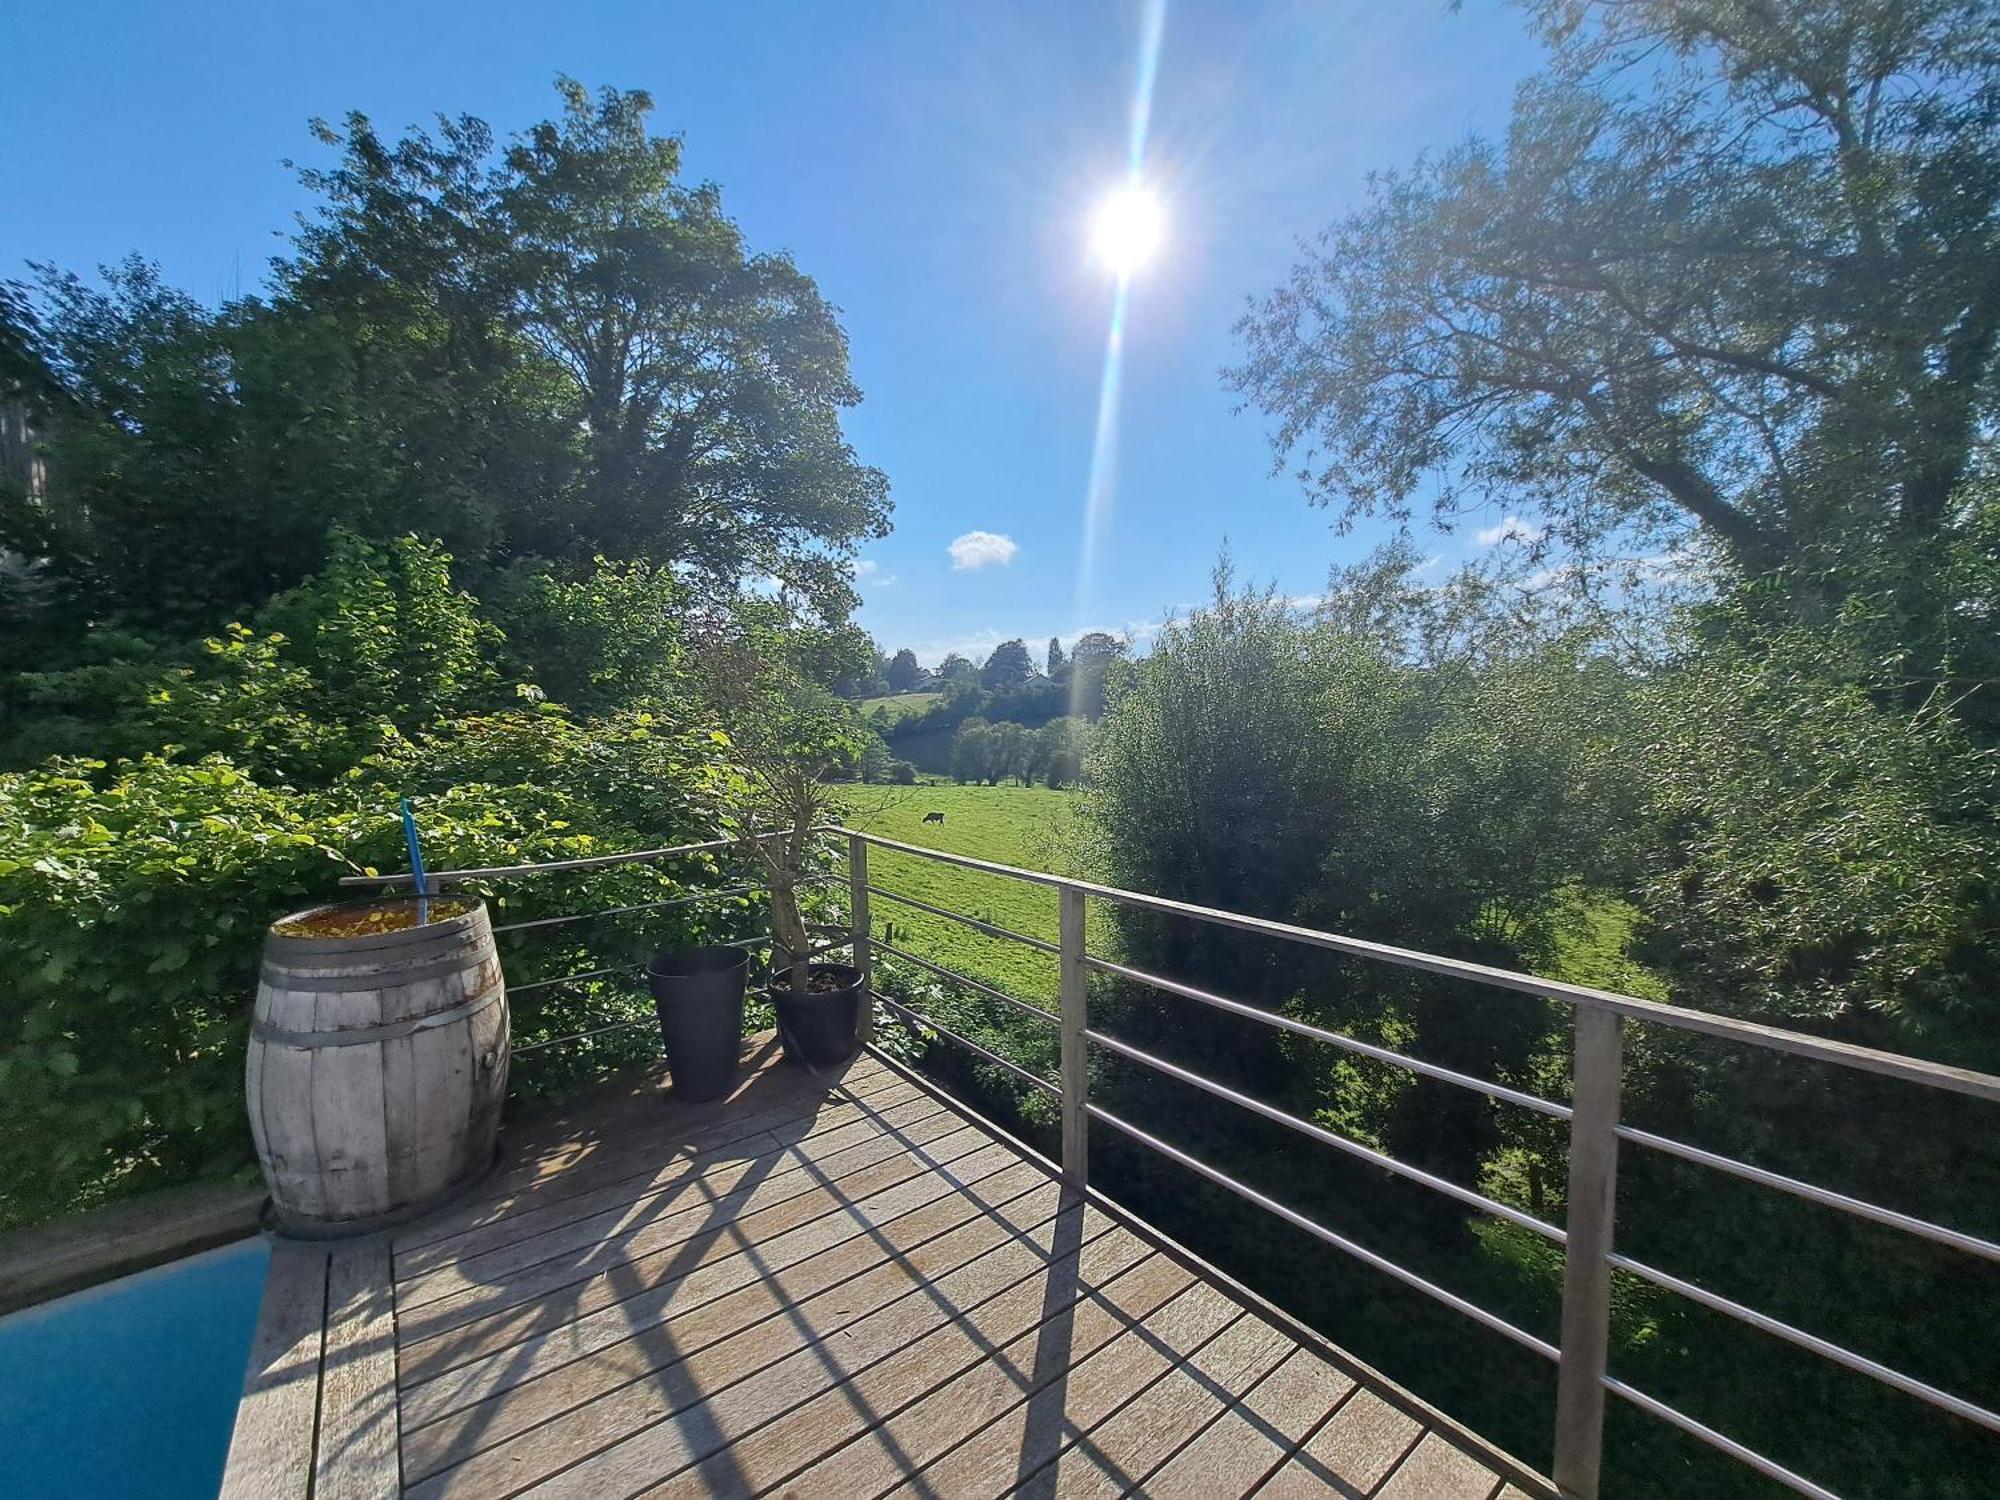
[1581,1356]
[631,973]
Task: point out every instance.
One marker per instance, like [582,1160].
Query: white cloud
[868,571]
[1513,529]
[978,548]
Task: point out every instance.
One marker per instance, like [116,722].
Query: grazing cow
[933,817]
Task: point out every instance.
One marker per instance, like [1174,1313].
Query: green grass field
[1022,826]
[1008,825]
[901,705]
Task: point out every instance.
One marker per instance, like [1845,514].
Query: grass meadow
[900,705]
[1008,825]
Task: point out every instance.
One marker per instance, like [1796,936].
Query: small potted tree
[766,675]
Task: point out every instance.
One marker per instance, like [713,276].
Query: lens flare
[1128,230]
[1127,234]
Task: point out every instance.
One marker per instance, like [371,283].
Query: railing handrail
[1774,1038]
[1596,1129]
[440,878]
[1583,1379]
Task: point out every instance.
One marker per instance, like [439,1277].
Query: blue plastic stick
[417,865]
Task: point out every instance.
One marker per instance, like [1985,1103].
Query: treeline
[991,753]
[456,508]
[1007,690]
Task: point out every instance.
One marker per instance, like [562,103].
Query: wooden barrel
[378,1061]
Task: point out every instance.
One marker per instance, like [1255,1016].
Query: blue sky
[933,165]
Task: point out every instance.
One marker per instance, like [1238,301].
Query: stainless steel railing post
[1075,1068]
[857,884]
[1597,1080]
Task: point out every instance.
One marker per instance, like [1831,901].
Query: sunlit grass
[1007,825]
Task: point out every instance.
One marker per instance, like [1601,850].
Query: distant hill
[900,706]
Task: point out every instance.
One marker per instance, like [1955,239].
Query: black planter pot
[820,1030]
[698,993]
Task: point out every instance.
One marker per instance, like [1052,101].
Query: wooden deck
[847,1290]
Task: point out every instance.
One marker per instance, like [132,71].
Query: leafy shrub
[133,902]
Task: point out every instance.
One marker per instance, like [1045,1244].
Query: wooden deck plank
[746,1215]
[445,1335]
[649,1161]
[640,1133]
[998,1456]
[865,1271]
[802,1437]
[1438,1469]
[271,1450]
[627,1429]
[357,1455]
[555,1141]
[1356,1450]
[682,1297]
[1081,1315]
[1112,1456]
[588,1221]
[1247,1441]
[731,1415]
[812,1290]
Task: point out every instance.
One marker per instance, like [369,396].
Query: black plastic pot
[698,993]
[820,1030]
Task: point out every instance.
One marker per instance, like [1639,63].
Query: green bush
[134,898]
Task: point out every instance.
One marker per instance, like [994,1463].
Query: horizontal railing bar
[1860,1208]
[964,861]
[972,984]
[725,893]
[551,867]
[1795,1043]
[1861,1364]
[917,1018]
[1750,1456]
[991,929]
[577,1036]
[522,989]
[1333,1038]
[1331,1138]
[1319,1231]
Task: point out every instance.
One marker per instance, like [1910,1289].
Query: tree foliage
[903,674]
[1009,665]
[1733,268]
[552,349]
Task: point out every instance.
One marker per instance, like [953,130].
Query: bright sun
[1128,230]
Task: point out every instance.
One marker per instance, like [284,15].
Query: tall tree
[1735,270]
[1090,662]
[695,387]
[1056,660]
[1009,664]
[903,673]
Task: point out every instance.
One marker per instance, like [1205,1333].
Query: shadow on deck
[847,1288]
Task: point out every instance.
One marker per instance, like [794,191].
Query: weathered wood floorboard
[813,1287]
[862,1272]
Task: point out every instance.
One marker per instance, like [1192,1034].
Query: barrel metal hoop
[387,1032]
[470,956]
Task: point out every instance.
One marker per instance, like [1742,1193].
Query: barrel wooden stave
[365,1128]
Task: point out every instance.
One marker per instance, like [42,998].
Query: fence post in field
[857,884]
[1586,1295]
[1075,1061]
